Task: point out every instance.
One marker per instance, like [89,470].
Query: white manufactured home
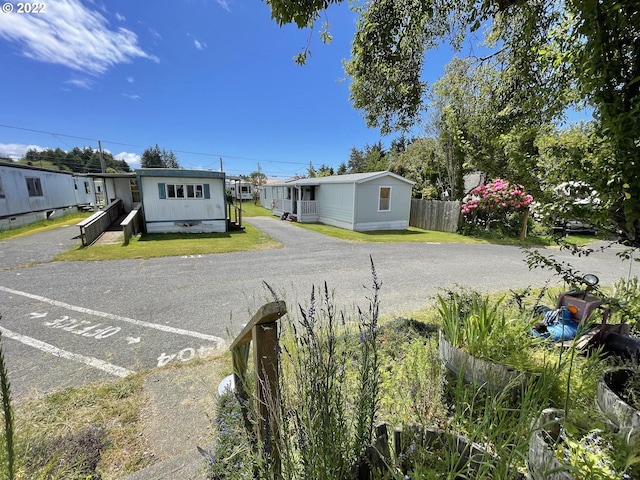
[360,201]
[29,194]
[240,189]
[176,200]
[123,185]
[85,191]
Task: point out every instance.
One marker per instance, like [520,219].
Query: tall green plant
[5,390]
[369,369]
[317,405]
[627,294]
[329,387]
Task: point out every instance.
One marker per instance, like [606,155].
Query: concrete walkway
[178,419]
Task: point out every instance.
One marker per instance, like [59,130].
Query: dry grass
[100,421]
[106,430]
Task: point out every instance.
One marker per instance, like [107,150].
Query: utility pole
[104,180]
[102,166]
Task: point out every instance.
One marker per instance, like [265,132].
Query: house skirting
[187,226]
[391,225]
[336,223]
[18,220]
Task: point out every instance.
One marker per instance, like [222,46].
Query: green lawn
[175,244]
[249,209]
[41,226]
[412,234]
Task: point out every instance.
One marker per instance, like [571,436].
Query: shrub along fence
[435,215]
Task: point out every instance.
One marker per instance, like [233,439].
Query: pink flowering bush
[497,203]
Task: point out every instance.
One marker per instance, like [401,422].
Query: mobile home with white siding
[29,194]
[85,191]
[176,200]
[360,202]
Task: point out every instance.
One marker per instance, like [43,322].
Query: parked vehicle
[570,227]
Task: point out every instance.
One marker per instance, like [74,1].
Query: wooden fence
[435,215]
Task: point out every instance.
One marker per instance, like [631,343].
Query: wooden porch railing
[132,223]
[307,207]
[263,331]
[94,226]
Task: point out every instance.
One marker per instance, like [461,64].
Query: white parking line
[164,328]
[58,352]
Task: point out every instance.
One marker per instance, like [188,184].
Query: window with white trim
[384,199]
[185,190]
[1,189]
[34,187]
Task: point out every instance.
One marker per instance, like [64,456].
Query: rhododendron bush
[498,203]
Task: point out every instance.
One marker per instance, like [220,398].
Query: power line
[95,140]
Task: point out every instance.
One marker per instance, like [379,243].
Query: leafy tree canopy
[154,157]
[322,171]
[549,54]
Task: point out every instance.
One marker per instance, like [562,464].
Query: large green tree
[569,161]
[482,128]
[154,157]
[551,53]
[423,162]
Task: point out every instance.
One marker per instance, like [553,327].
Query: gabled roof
[349,178]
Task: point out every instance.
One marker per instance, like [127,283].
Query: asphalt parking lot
[67,323]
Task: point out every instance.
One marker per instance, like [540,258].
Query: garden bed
[618,399]
[494,376]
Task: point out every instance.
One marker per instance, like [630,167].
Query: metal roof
[178,173]
[349,178]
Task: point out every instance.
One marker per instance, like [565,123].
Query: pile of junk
[570,321]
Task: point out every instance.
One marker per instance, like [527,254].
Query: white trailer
[29,194]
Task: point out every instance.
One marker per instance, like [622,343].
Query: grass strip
[174,244]
[44,225]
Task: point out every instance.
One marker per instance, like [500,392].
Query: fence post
[263,330]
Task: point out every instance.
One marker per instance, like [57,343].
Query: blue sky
[204,78]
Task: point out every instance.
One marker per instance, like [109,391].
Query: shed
[177,200]
[361,201]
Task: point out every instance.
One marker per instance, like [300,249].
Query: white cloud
[132,97]
[121,18]
[72,35]
[155,34]
[81,83]
[130,79]
[133,159]
[224,4]
[17,150]
[199,45]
